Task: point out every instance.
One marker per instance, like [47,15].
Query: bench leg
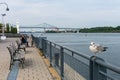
[11,64]
[22,61]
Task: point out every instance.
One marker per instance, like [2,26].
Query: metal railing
[71,65]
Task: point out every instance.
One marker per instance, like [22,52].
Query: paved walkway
[35,68]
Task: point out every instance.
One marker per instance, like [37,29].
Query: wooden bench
[21,46]
[16,55]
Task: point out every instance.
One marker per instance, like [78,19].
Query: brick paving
[34,68]
[4,58]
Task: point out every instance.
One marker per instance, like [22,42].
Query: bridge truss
[43,28]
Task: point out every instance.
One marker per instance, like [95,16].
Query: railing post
[96,68]
[62,63]
[56,59]
[40,43]
[37,42]
[50,54]
[44,46]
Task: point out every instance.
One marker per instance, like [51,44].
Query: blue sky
[63,13]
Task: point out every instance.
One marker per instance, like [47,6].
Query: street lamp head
[7,9]
[3,14]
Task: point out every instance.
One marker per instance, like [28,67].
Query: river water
[80,42]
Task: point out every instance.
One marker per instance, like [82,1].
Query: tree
[13,30]
[7,29]
[101,29]
[0,27]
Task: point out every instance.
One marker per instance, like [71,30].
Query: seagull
[97,48]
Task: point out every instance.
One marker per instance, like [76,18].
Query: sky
[62,13]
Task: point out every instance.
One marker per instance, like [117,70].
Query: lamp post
[3,37]
[3,28]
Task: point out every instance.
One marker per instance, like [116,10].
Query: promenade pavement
[34,68]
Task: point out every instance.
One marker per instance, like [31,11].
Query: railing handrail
[108,65]
[96,60]
[85,56]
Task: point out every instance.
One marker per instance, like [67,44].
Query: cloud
[68,13]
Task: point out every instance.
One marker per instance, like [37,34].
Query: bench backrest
[11,51]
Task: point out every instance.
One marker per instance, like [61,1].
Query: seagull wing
[100,48]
